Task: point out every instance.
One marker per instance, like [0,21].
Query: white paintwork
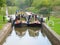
[44,19]
[28,13]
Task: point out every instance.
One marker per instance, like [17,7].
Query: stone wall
[53,37]
[5,31]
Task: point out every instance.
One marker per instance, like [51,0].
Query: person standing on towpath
[3,18]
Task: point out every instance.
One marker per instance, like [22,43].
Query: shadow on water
[27,36]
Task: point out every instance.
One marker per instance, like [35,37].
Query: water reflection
[27,36]
[33,32]
[20,31]
[44,35]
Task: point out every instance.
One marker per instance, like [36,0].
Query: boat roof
[28,13]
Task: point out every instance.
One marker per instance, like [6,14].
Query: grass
[11,10]
[2,23]
[56,26]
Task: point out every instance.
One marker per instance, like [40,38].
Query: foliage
[56,26]
[28,3]
[38,4]
[45,10]
[32,9]
[56,2]
[12,10]
[3,11]
[9,2]
[2,3]
[2,23]
[18,3]
[41,3]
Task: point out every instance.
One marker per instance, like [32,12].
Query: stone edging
[6,30]
[53,36]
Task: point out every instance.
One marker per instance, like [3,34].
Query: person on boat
[35,17]
[17,21]
[19,16]
[29,17]
[41,18]
[17,11]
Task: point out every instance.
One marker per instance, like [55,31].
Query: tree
[10,2]
[17,3]
[2,3]
[28,3]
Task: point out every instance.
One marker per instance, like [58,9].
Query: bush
[3,11]
[12,10]
[32,9]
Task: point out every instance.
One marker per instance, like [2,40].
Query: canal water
[27,36]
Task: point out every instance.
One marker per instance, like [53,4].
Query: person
[4,18]
[29,17]
[35,17]
[48,18]
[17,11]
[10,19]
[19,17]
[41,20]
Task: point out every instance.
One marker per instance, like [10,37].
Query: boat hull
[34,25]
[18,25]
